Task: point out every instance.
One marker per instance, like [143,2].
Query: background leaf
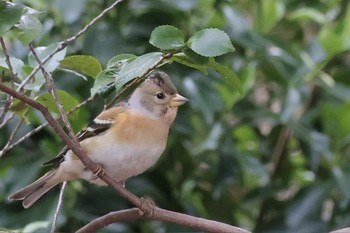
[226,72]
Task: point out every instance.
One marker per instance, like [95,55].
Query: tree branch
[40,127]
[51,87]
[9,99]
[161,215]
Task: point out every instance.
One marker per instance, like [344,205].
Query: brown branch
[160,215]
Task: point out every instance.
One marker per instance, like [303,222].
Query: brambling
[125,140]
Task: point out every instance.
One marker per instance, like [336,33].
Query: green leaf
[228,73]
[16,64]
[84,64]
[68,102]
[167,37]
[196,57]
[28,28]
[19,108]
[335,38]
[210,42]
[104,84]
[10,14]
[43,52]
[36,226]
[307,13]
[335,119]
[269,13]
[118,61]
[185,60]
[138,68]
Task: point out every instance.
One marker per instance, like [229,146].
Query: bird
[125,140]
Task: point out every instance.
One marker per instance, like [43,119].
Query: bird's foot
[99,171]
[146,207]
[122,183]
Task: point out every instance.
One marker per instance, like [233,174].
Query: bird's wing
[98,127]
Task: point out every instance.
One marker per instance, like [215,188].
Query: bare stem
[59,204]
[9,99]
[40,127]
[51,86]
[9,141]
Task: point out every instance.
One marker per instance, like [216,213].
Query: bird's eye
[160,95]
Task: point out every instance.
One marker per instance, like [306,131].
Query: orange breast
[140,129]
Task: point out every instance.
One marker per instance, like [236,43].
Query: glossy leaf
[167,37]
[43,52]
[137,68]
[104,84]
[68,102]
[10,14]
[185,60]
[28,28]
[86,65]
[118,61]
[16,64]
[210,42]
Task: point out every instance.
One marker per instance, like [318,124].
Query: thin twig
[40,127]
[51,86]
[9,99]
[58,207]
[27,135]
[66,42]
[7,119]
[9,141]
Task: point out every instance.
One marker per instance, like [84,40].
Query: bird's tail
[31,193]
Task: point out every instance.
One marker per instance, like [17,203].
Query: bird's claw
[98,172]
[146,207]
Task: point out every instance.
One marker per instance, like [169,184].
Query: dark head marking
[162,80]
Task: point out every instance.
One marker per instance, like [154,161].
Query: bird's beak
[178,100]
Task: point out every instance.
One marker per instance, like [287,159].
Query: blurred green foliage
[273,159]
